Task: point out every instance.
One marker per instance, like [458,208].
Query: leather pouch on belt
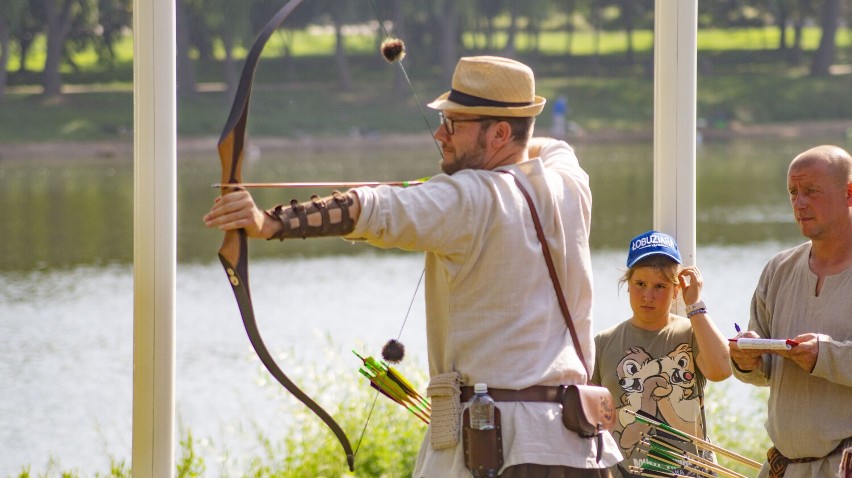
[483,449]
[444,399]
[587,410]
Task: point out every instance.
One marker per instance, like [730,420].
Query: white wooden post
[675,64]
[154,237]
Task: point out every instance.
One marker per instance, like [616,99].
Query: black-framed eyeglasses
[450,123]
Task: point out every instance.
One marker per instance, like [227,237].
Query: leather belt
[536,393]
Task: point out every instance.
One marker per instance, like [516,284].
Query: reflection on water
[66,288]
[66,346]
[64,214]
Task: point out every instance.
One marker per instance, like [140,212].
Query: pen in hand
[739,331]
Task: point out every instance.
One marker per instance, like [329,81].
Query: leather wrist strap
[300,212]
[563,305]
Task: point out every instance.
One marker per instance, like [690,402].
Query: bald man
[805,293]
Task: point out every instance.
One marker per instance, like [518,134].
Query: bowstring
[408,81]
[376,397]
[423,273]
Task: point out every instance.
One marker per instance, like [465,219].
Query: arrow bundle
[699,443]
[665,459]
[393,385]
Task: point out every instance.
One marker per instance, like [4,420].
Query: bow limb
[234,250]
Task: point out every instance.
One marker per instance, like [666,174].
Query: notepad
[766,344]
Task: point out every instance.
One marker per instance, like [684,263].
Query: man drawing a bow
[492,315]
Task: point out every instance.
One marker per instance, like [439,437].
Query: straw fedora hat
[491,86]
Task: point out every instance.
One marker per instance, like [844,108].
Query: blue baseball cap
[650,243]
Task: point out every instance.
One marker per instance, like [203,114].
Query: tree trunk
[186,83]
[627,15]
[449,40]
[795,54]
[344,74]
[596,37]
[489,34]
[509,49]
[570,27]
[781,21]
[24,45]
[4,54]
[400,86]
[58,26]
[824,55]
[229,66]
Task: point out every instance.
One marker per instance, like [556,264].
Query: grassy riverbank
[738,93]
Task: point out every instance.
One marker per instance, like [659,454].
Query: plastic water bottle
[481,408]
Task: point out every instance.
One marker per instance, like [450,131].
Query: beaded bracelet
[696,312]
[698,305]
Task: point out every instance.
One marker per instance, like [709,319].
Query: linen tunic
[809,414]
[492,313]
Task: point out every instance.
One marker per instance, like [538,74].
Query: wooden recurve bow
[234,250]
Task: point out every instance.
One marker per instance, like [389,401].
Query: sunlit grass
[388,443]
[321,42]
[734,425]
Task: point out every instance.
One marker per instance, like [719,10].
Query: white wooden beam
[154,237]
[675,65]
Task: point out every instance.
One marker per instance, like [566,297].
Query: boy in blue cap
[658,362]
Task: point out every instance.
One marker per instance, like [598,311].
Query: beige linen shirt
[492,313]
[809,413]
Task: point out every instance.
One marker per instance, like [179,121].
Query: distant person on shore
[657,362]
[805,294]
[492,313]
[560,111]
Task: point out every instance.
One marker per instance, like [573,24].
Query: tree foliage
[438,30]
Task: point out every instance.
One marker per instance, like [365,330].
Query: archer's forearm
[333,215]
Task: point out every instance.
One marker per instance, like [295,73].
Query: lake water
[66,295]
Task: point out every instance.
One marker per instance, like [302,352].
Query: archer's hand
[746,360]
[237,210]
[805,354]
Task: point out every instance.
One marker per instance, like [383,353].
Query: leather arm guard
[317,218]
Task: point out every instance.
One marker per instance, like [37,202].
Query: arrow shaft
[321,184]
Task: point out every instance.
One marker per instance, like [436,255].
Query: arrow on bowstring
[324,184]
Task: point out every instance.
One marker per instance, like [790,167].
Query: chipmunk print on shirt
[660,387]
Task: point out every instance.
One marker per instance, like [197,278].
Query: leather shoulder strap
[563,305]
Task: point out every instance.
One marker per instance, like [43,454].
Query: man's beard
[472,159]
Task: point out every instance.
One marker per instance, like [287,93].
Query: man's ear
[849,194]
[502,134]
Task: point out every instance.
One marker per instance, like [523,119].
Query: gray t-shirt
[653,372]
